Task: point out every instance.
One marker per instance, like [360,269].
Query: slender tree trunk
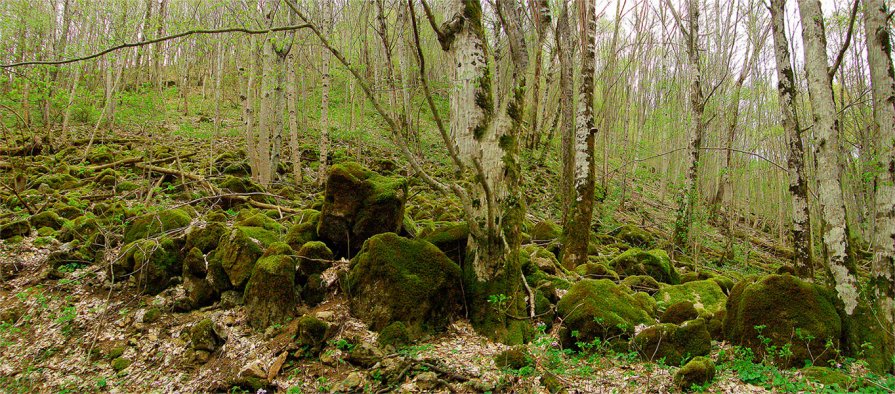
[882,77]
[291,98]
[324,100]
[71,99]
[248,103]
[577,230]
[798,183]
[218,76]
[541,17]
[835,232]
[566,91]
[157,49]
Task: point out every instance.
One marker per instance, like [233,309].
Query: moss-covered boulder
[516,357]
[313,258]
[199,291]
[57,181]
[311,334]
[15,228]
[673,343]
[545,231]
[679,312]
[398,279]
[394,335]
[707,297]
[697,372]
[535,258]
[152,264]
[655,263]
[205,238]
[634,236]
[49,219]
[204,337]
[451,239]
[784,310]
[596,271]
[240,185]
[827,376]
[153,224]
[313,290]
[270,294]
[236,254]
[644,283]
[359,204]
[598,309]
[304,230]
[82,228]
[262,221]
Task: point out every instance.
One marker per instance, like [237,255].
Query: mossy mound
[237,254]
[311,334]
[397,279]
[313,290]
[394,335]
[359,204]
[100,154]
[644,283]
[152,263]
[827,376]
[774,307]
[153,224]
[205,238]
[598,309]
[673,343]
[263,221]
[270,293]
[18,228]
[596,271]
[119,364]
[81,229]
[47,219]
[679,312]
[199,291]
[545,231]
[451,239]
[655,263]
[707,297]
[57,181]
[533,258]
[304,230]
[634,236]
[697,372]
[204,337]
[313,258]
[240,185]
[516,357]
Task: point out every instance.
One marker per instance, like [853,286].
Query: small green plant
[500,303]
[342,344]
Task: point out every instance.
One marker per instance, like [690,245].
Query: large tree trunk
[798,183]
[689,193]
[541,19]
[826,131]
[566,90]
[324,99]
[577,229]
[882,77]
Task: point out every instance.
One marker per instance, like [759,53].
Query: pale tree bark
[800,229]
[291,103]
[689,193]
[274,50]
[324,98]
[882,77]
[577,229]
[826,131]
[566,91]
[541,18]
[71,99]
[218,76]
[248,105]
[157,49]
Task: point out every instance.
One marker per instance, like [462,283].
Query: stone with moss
[783,310]
[263,221]
[270,295]
[261,235]
[240,185]
[16,228]
[205,238]
[57,181]
[67,211]
[654,263]
[596,271]
[827,376]
[304,230]
[152,264]
[311,334]
[644,283]
[707,297]
[48,218]
[359,204]
[450,239]
[313,290]
[634,236]
[598,309]
[534,257]
[203,336]
[697,372]
[121,363]
[673,343]
[100,154]
[516,357]
[107,177]
[153,224]
[313,258]
[236,254]
[679,312]
[398,279]
[545,231]
[394,335]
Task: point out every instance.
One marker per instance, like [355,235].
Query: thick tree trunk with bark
[826,131]
[798,184]
[324,100]
[566,90]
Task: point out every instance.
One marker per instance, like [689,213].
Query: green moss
[312,333]
[100,154]
[262,221]
[115,352]
[269,294]
[156,223]
[397,279]
[313,258]
[152,263]
[545,231]
[451,239]
[126,186]
[204,337]
[598,309]
[266,237]
[679,312]
[699,371]
[644,283]
[207,238]
[706,296]
[827,376]
[278,248]
[17,228]
[672,342]
[237,254]
[152,315]
[57,181]
[633,236]
[394,335]
[301,233]
[655,263]
[516,357]
[47,218]
[596,271]
[121,363]
[241,185]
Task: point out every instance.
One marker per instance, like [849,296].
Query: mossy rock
[725,283]
[100,155]
[152,263]
[126,186]
[241,185]
[153,224]
[365,354]
[313,258]
[270,295]
[644,283]
[57,181]
[535,258]
[697,372]
[394,335]
[16,228]
[706,296]
[774,307]
[203,336]
[655,263]
[304,230]
[311,334]
[545,231]
[827,376]
[645,302]
[119,364]
[679,312]
[398,279]
[673,342]
[634,236]
[47,218]
[107,177]
[596,271]
[598,309]
[199,291]
[263,221]
[67,211]
[236,254]
[450,239]
[81,229]
[152,315]
[262,235]
[359,204]
[515,358]
[205,238]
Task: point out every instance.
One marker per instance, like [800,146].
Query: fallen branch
[134,160]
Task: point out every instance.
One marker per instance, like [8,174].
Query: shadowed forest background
[447,196]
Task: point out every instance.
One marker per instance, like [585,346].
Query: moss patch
[155,223]
[598,309]
[705,295]
[269,294]
[672,342]
[699,371]
[655,263]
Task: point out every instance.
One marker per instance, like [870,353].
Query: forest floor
[70,328]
